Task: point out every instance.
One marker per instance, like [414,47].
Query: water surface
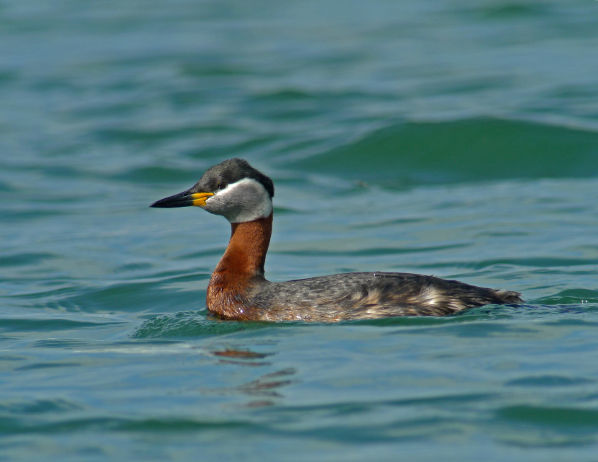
[457,139]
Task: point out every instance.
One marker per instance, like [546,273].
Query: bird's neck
[241,266]
[246,251]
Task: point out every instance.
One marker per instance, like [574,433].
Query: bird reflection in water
[267,387]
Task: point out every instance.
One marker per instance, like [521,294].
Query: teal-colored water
[455,138]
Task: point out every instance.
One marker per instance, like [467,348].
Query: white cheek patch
[244,200]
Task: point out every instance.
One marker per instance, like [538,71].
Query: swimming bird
[239,290]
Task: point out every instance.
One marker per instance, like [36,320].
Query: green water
[455,138]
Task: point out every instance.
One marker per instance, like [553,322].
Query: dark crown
[230,171]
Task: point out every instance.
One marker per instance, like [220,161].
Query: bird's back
[368,295]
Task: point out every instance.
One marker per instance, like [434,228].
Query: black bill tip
[183,199]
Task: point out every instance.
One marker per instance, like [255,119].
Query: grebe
[239,290]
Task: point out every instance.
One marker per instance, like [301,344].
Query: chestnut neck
[245,254]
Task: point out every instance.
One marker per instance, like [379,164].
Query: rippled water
[457,138]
